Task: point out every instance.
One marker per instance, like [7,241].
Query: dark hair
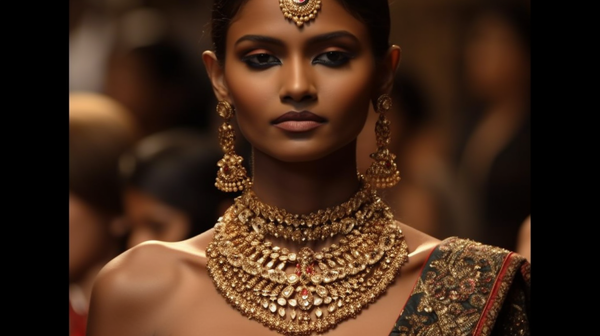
[100,130]
[375,14]
[178,167]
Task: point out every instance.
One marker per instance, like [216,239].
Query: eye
[261,61]
[332,58]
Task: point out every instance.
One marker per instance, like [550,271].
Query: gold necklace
[319,225]
[323,289]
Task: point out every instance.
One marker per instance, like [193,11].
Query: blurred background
[460,120]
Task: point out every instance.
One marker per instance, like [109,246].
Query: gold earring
[232,176]
[383,172]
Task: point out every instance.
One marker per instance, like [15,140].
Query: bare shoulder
[420,245]
[135,288]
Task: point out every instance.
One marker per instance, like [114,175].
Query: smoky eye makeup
[333,58]
[260,60]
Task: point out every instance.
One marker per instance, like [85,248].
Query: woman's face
[325,70]
[151,219]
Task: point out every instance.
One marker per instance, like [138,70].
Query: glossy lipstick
[298,121]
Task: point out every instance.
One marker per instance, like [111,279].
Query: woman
[100,130]
[168,191]
[309,244]
[492,154]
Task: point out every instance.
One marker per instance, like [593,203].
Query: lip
[302,121]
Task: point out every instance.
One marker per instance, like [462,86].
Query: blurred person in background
[92,32]
[168,186]
[418,198]
[493,155]
[159,84]
[100,130]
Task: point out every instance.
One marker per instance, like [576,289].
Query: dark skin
[159,288]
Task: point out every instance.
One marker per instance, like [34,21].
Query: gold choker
[320,225]
[303,292]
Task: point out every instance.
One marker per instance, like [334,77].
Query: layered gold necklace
[303,292]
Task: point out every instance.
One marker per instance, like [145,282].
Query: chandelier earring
[383,172]
[232,176]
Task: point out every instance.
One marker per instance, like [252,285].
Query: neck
[305,187]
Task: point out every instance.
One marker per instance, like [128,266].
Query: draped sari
[468,288]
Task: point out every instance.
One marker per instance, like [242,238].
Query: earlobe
[216,75]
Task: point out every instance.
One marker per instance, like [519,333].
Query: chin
[303,153]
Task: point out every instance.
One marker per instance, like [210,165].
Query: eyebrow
[315,39]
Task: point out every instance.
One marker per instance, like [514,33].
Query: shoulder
[153,264]
[476,281]
[418,241]
[488,260]
[423,248]
[468,248]
[419,244]
[134,287]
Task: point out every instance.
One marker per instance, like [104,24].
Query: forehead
[264,17]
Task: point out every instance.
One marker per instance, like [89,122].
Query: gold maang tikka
[300,11]
[383,172]
[232,176]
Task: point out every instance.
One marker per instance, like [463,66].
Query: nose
[297,81]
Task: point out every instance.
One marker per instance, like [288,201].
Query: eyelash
[343,58]
[253,60]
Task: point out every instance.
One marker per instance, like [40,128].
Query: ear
[388,69]
[216,75]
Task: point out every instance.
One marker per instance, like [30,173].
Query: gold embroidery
[465,291]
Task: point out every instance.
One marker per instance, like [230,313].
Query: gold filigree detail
[300,11]
[269,220]
[303,292]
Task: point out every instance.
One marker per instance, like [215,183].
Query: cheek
[348,98]
[252,94]
[249,91]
